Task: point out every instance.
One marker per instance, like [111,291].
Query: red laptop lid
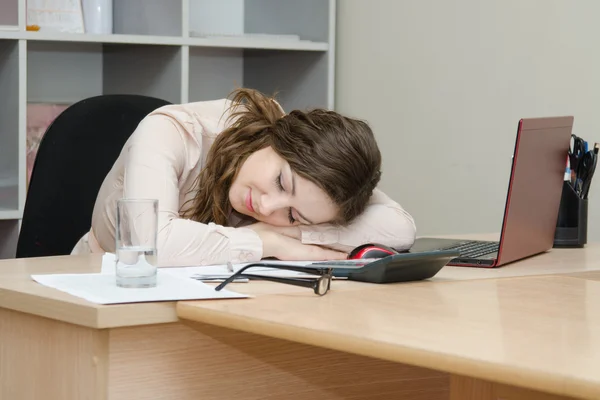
[535,187]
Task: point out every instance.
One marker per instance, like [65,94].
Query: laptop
[532,201]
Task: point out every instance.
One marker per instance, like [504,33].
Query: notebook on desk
[532,201]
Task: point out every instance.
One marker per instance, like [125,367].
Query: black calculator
[403,267]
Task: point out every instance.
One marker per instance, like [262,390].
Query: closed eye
[279,184]
[290,216]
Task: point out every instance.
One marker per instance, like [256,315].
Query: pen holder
[571,226]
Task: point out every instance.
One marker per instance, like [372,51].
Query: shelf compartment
[308,19]
[147,17]
[9,197]
[64,72]
[9,125]
[214,73]
[299,79]
[9,235]
[260,24]
[146,70]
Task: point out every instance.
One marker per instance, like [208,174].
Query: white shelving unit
[156,50]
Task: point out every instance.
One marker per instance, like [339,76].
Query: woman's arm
[384,221]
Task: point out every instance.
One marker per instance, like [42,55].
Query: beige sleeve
[384,221]
[155,160]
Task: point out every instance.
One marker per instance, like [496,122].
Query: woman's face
[267,190]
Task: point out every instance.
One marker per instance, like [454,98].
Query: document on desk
[174,283]
[101,288]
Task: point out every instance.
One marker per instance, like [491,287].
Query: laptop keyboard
[475,249]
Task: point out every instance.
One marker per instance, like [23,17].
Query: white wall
[444,83]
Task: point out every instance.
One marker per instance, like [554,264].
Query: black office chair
[74,156]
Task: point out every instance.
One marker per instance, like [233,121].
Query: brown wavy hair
[337,153]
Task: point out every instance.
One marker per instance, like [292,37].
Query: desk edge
[45,307]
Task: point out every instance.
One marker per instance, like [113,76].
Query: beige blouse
[162,158]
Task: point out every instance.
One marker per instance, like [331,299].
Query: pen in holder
[571,226]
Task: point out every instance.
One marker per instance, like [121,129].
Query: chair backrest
[74,156]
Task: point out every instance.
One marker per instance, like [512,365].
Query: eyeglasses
[319,284]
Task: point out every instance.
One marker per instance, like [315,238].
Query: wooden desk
[55,346]
[541,333]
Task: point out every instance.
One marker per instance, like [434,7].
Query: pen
[576,152]
[568,170]
[588,166]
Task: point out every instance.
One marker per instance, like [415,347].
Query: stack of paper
[215,273]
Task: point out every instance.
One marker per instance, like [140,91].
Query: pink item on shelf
[39,118]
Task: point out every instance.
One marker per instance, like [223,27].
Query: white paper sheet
[173,284]
[102,289]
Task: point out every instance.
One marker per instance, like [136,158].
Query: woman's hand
[287,248]
[283,243]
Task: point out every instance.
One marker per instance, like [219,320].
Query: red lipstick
[249,201]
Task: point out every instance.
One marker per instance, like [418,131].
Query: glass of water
[137,223]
